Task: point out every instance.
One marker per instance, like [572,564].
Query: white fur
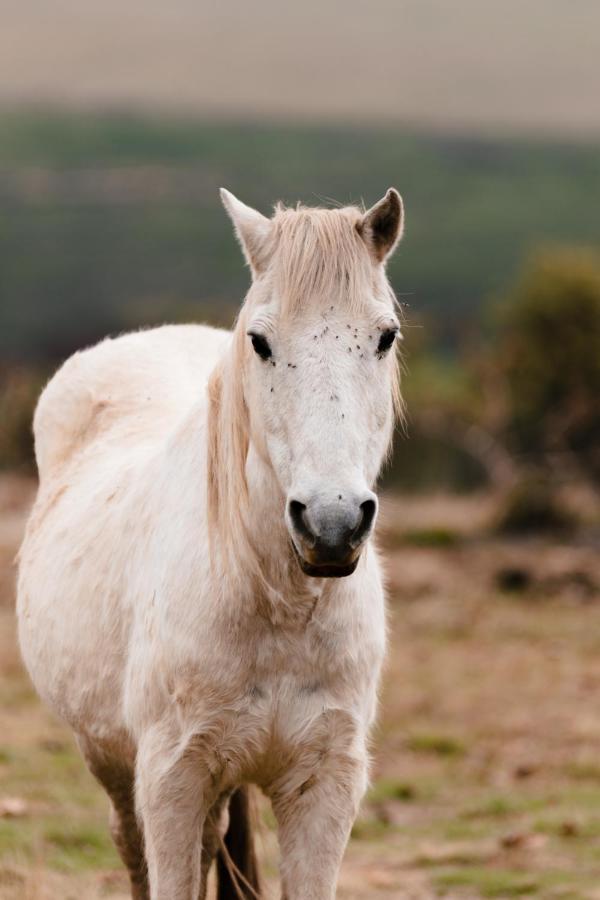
[171,652]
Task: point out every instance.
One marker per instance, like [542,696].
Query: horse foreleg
[314,819]
[173,799]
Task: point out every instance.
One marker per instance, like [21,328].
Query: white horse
[182,600]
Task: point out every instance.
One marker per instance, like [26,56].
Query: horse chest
[291,699]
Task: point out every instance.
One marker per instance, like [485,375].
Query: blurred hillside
[113,221]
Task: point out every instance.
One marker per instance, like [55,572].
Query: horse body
[104,428]
[183,673]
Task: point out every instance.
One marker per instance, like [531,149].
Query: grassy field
[486,779]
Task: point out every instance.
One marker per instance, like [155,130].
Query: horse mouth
[325,570]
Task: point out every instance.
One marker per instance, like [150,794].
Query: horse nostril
[368,510]
[297,511]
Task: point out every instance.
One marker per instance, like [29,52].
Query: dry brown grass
[487,756]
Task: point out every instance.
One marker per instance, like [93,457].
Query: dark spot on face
[349,349]
[339,496]
[337,337]
[343,416]
[273,363]
[347,326]
[331,307]
[358,346]
[272,390]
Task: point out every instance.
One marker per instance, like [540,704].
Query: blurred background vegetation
[111,219]
[112,222]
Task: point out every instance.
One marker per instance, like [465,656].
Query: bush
[549,353]
[532,506]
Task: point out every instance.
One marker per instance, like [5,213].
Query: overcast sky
[487,65]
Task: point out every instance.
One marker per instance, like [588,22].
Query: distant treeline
[112,222]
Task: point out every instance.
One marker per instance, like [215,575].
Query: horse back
[132,388]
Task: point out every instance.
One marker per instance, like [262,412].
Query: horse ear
[382,226]
[252,230]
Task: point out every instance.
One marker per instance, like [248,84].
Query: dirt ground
[486,775]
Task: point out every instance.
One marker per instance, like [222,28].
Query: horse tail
[237,867]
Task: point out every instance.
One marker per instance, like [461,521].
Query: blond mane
[319,256]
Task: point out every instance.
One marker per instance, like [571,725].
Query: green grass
[436,744]
[369,828]
[493,808]
[489,882]
[7,756]
[391,789]
[65,822]
[64,845]
[508,803]
[49,777]
[77,847]
[498,881]
[583,771]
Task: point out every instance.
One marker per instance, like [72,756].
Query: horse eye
[386,340]
[261,345]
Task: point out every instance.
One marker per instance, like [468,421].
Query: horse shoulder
[140,382]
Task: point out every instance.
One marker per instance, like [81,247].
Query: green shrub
[549,354]
[531,506]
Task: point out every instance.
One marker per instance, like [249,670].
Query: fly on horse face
[199,597]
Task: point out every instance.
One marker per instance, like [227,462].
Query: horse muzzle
[328,537]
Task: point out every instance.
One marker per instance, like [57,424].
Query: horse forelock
[318,256]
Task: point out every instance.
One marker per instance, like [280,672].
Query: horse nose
[331,532]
